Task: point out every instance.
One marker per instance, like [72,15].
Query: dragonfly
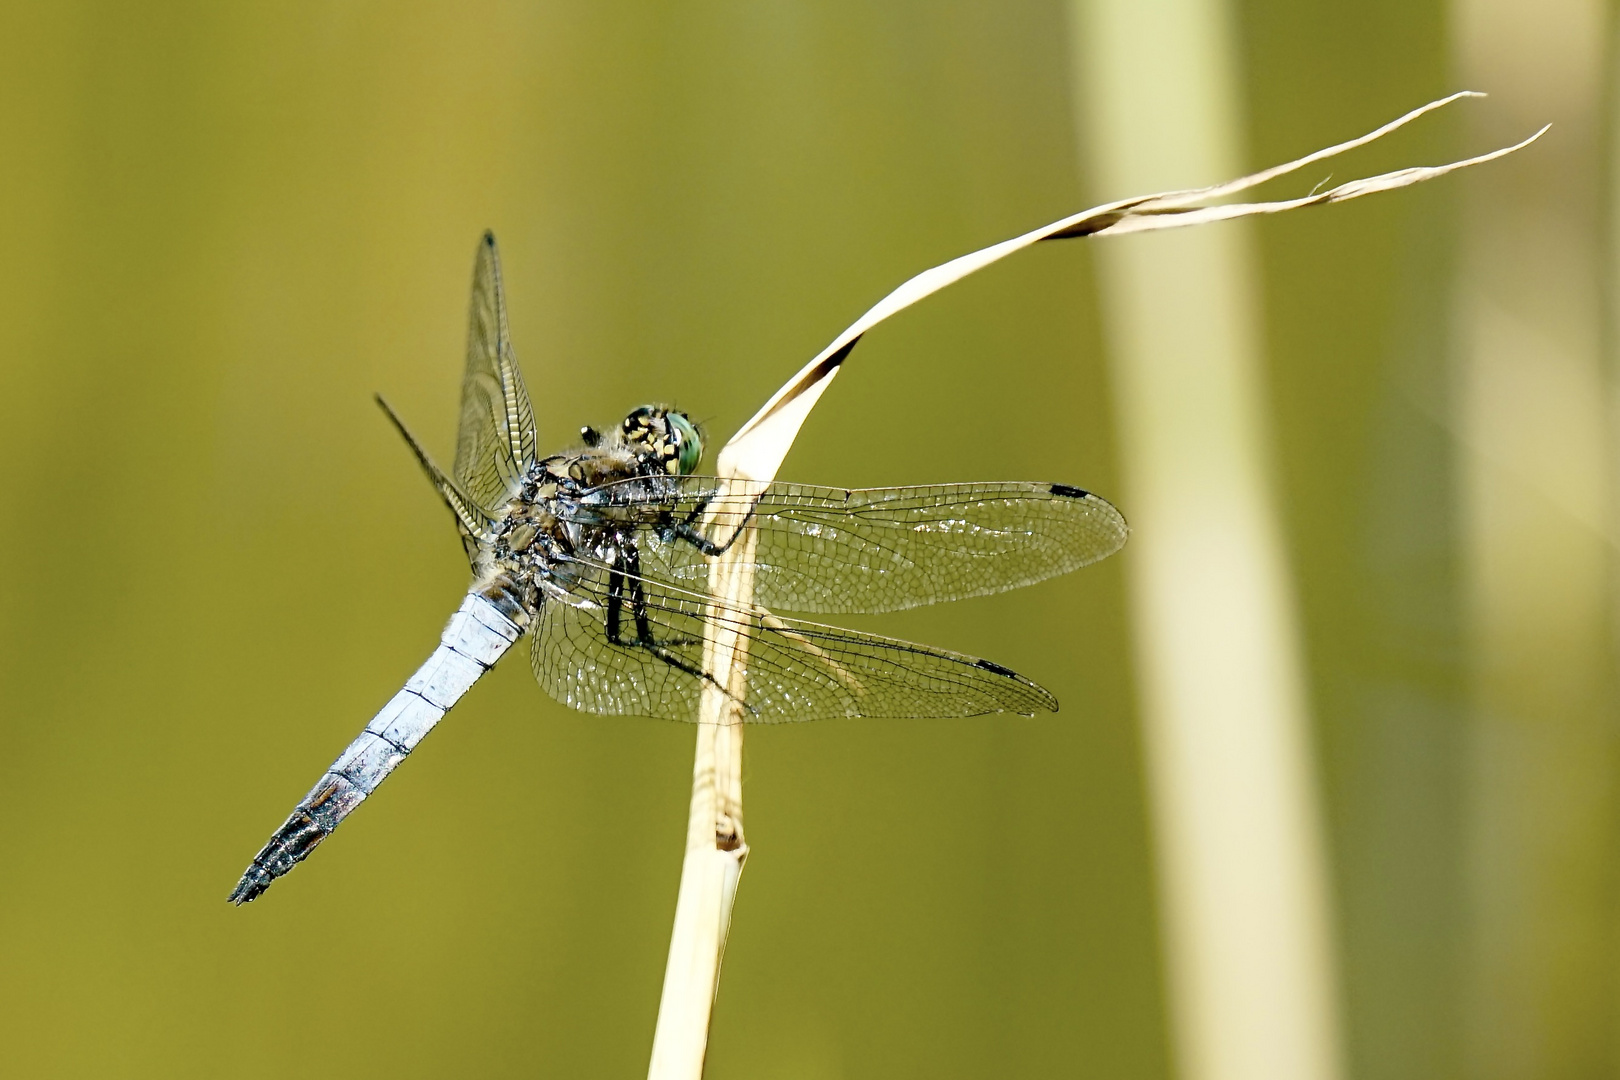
[601,555]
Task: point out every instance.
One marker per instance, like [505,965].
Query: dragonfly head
[668,437]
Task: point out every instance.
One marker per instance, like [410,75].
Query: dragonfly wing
[633,645]
[496,440]
[472,521]
[831,550]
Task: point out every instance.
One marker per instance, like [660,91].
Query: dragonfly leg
[690,533]
[615,603]
[697,511]
[644,634]
[625,570]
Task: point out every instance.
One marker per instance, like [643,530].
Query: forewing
[496,439]
[795,670]
[830,550]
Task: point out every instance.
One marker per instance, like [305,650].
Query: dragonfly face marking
[601,555]
[659,434]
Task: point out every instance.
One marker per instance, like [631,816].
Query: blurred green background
[223,227]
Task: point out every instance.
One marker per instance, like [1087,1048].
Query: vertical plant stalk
[1536,493]
[1245,905]
[715,847]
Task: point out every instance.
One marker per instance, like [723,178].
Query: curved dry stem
[715,849]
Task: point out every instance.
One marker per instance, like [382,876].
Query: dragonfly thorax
[590,502]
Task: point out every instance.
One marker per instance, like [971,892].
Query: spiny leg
[638,609]
[687,531]
[615,602]
[626,567]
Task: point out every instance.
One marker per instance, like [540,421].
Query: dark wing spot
[996,668]
[1068,492]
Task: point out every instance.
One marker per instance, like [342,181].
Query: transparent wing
[830,550]
[496,440]
[630,645]
[472,522]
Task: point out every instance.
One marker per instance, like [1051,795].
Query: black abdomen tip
[291,844]
[255,881]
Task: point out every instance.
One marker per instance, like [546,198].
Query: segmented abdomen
[477,636]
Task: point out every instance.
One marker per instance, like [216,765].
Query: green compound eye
[691,442]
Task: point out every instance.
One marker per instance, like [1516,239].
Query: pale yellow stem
[715,847]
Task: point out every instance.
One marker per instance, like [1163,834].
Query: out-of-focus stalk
[1532,411]
[1247,921]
